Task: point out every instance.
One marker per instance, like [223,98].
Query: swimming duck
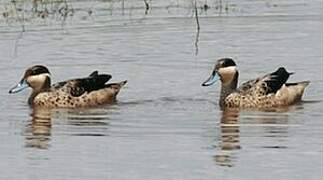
[82,92]
[268,91]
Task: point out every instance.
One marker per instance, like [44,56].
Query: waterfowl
[268,91]
[82,92]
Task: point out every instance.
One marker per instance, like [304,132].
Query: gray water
[164,125]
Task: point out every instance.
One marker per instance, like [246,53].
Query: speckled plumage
[63,97]
[82,92]
[268,91]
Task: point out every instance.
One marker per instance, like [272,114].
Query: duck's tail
[123,83]
[291,93]
[117,86]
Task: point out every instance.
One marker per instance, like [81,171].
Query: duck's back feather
[77,87]
[64,99]
[270,90]
[267,84]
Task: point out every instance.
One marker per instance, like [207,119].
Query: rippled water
[165,125]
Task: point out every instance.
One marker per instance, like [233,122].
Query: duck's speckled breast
[61,99]
[236,100]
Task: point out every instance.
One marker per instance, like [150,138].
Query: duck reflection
[269,125]
[38,130]
[68,122]
[229,137]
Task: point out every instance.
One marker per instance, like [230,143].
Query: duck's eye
[35,71]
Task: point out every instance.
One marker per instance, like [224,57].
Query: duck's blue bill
[212,79]
[19,87]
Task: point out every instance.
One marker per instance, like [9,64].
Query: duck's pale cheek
[227,74]
[37,80]
[228,70]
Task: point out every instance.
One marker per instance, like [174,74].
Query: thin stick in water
[198,29]
[196,16]
[147,6]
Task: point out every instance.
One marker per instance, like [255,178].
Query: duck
[268,91]
[89,91]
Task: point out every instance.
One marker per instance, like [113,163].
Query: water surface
[165,125]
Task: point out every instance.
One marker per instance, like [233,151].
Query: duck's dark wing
[267,84]
[77,87]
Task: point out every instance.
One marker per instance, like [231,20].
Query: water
[165,125]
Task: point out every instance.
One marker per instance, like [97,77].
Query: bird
[89,91]
[268,91]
